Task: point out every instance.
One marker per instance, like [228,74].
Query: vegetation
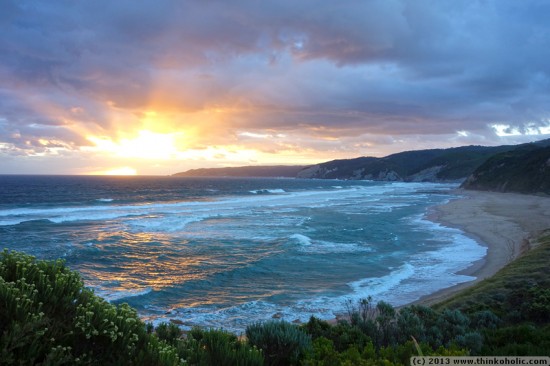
[282,343]
[453,164]
[525,169]
[47,317]
[519,296]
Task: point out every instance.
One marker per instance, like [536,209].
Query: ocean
[226,252]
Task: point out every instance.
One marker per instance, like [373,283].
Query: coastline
[506,223]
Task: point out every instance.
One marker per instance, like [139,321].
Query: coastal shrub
[484,319]
[360,311]
[48,317]
[452,323]
[282,343]
[342,335]
[537,306]
[168,332]
[217,348]
[472,341]
[386,324]
[324,354]
[386,328]
[517,340]
[410,325]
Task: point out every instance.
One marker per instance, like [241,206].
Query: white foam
[301,239]
[309,245]
[105,200]
[111,295]
[266,191]
[378,285]
[165,223]
[102,212]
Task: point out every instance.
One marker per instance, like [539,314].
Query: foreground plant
[282,343]
[48,317]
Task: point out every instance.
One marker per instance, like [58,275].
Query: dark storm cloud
[384,67]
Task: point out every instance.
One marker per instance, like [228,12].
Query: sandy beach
[507,223]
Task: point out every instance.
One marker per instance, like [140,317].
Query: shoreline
[507,224]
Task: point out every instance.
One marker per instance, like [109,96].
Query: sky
[160,86]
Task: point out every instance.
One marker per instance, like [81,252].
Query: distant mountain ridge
[433,165]
[284,171]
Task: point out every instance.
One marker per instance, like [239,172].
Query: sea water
[226,252]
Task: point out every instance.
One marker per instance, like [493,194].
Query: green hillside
[519,297]
[525,170]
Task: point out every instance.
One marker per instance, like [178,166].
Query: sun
[146,145]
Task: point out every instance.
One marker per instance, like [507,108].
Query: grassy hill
[525,169]
[519,297]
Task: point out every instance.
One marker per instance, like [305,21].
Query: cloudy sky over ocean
[157,87]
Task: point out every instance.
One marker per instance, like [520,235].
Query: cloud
[321,73]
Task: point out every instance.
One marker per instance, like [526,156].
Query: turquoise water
[227,252]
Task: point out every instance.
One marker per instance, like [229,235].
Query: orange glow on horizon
[116,171]
[165,141]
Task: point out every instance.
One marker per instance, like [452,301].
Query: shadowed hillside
[525,170]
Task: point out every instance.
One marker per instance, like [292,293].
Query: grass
[510,288]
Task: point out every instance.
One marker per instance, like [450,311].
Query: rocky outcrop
[385,175]
[426,175]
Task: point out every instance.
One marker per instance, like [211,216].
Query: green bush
[48,317]
[517,340]
[217,348]
[168,332]
[282,343]
[343,335]
[484,319]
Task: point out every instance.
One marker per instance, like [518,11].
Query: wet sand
[507,223]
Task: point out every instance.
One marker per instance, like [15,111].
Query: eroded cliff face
[387,175]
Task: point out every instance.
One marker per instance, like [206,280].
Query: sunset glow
[146,145]
[117,171]
[157,91]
